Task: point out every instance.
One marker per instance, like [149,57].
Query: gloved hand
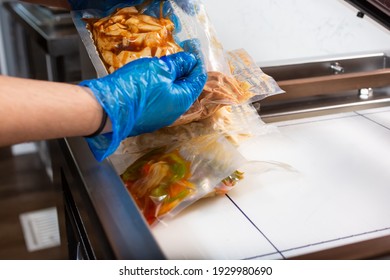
[187,5]
[145,95]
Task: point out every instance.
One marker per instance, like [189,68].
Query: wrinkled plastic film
[251,77]
[236,123]
[207,136]
[198,25]
[218,63]
[194,168]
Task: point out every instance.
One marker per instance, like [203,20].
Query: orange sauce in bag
[158,182]
[127,35]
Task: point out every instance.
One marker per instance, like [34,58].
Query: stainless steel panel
[41,43]
[328,85]
[124,226]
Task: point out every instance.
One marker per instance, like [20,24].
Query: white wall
[275,31]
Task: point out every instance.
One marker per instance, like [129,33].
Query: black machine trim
[379,10]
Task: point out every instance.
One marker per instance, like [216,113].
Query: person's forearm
[53,3]
[33,110]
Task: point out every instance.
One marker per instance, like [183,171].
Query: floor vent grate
[40,229]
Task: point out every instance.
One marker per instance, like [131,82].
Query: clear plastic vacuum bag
[166,180]
[235,123]
[161,27]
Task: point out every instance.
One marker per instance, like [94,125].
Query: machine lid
[378,10]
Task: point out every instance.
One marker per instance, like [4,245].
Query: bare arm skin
[32,110]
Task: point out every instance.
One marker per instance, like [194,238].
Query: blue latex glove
[189,6]
[155,7]
[145,95]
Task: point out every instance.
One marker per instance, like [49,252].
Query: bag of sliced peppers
[155,28]
[166,180]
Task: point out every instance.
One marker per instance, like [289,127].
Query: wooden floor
[24,187]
